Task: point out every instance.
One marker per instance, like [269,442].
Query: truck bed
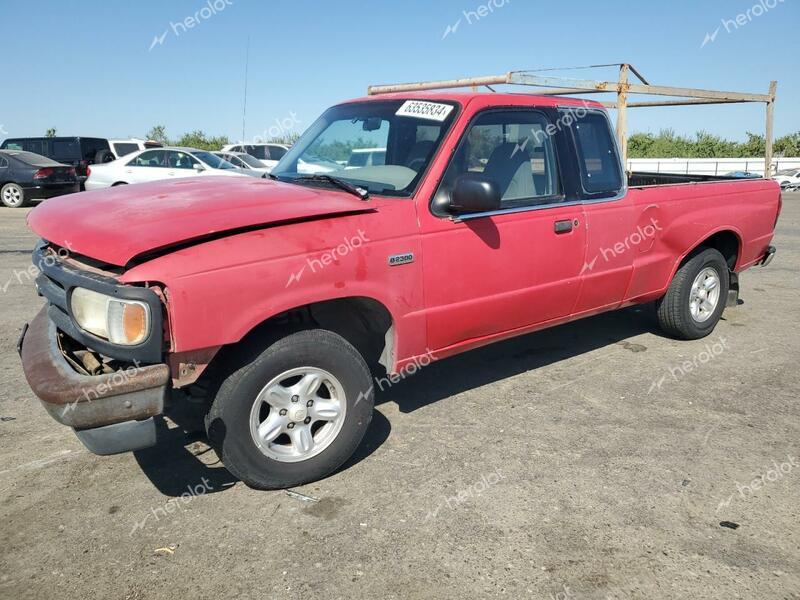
[643,179]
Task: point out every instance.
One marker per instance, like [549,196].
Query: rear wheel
[13,196]
[295,413]
[696,298]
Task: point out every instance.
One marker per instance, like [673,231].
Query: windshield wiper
[340,183]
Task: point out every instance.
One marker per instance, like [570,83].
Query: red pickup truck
[286,299]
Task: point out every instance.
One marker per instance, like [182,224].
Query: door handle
[565,226]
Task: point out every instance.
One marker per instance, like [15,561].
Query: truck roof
[499,98]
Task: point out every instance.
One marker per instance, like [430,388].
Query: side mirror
[198,167]
[474,193]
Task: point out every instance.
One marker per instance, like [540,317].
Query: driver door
[486,274]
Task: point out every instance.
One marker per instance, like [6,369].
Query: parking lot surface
[595,460]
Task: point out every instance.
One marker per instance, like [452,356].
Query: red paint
[470,282]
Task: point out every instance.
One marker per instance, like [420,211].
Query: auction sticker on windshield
[433,111]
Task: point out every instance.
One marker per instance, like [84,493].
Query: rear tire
[13,196]
[295,413]
[696,298]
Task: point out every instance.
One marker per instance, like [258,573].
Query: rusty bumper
[101,406]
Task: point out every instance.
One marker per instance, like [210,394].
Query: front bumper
[110,413]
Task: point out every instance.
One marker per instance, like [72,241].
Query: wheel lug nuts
[307,420]
[295,398]
[283,412]
[290,426]
[310,403]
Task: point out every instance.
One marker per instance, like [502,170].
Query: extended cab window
[513,149]
[601,174]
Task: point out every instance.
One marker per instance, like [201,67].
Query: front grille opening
[86,361]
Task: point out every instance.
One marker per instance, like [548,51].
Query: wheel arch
[364,322]
[727,240]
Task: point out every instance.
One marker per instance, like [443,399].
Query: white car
[244,161]
[788,177]
[366,157]
[268,154]
[156,164]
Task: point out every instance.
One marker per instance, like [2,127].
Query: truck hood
[118,224]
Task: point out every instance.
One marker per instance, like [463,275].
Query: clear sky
[96,67]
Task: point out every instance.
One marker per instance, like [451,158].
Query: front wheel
[295,413]
[696,298]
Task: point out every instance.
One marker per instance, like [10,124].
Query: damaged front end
[108,393]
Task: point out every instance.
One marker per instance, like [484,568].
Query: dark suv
[79,152]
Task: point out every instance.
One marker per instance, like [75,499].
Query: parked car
[744,175]
[25,177]
[158,163]
[79,152]
[288,300]
[244,161]
[366,157]
[309,164]
[788,178]
[268,154]
[120,148]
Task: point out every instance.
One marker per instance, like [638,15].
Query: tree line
[668,144]
[202,141]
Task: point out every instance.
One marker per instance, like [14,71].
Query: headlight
[124,322]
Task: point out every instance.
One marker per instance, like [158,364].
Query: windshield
[213,161]
[381,146]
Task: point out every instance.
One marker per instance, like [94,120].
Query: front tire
[696,298]
[295,413]
[13,196]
